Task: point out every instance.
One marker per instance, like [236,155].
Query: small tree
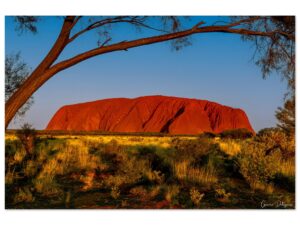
[16,71]
[286,116]
[27,136]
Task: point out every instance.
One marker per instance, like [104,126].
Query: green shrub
[190,149]
[236,134]
[275,138]
[255,166]
[208,135]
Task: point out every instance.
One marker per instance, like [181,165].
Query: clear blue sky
[216,67]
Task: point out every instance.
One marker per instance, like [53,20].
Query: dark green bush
[236,134]
[208,135]
[191,149]
[285,182]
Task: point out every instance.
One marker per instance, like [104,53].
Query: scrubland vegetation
[232,170]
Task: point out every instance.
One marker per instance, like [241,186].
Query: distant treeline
[234,134]
[66,132]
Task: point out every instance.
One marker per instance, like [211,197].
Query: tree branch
[96,24]
[146,41]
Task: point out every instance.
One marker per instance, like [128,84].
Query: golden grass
[287,167]
[230,147]
[11,137]
[75,156]
[123,140]
[154,191]
[267,188]
[184,171]
[19,155]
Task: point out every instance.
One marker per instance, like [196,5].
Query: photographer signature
[277,204]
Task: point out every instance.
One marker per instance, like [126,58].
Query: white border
[140,7]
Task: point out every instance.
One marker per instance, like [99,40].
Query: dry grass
[139,191]
[163,142]
[287,167]
[230,147]
[171,192]
[75,156]
[183,171]
[259,186]
[154,191]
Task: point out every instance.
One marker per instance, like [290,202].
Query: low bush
[208,135]
[255,166]
[196,196]
[27,136]
[190,149]
[236,134]
[275,138]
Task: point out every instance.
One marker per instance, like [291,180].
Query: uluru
[173,115]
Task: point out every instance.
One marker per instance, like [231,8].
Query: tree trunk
[40,75]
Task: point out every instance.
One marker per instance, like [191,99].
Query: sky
[216,67]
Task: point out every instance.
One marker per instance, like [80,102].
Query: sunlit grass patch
[230,147]
[184,171]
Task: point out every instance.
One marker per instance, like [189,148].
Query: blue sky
[216,67]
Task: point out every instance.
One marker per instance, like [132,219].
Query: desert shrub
[136,139]
[171,192]
[190,149]
[115,192]
[236,134]
[218,162]
[46,186]
[115,180]
[222,195]
[194,161]
[9,176]
[208,135]
[27,136]
[12,147]
[125,168]
[155,176]
[275,138]
[256,167]
[88,180]
[196,196]
[134,170]
[23,195]
[159,162]
[139,191]
[154,191]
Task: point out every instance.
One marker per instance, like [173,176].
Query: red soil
[149,114]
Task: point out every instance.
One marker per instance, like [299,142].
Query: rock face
[150,114]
